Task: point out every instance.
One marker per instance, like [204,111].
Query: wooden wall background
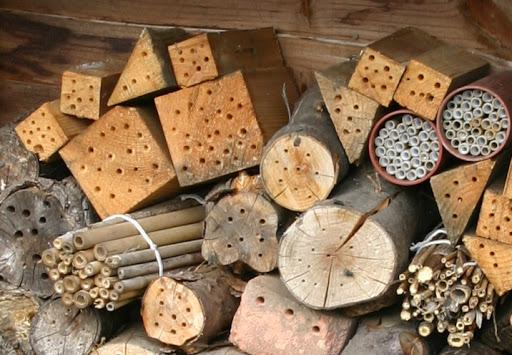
[40,39]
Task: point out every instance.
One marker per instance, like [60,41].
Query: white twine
[144,235]
[197,198]
[469,263]
[428,240]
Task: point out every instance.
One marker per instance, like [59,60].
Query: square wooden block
[495,220]
[86,89]
[429,77]
[209,55]
[383,62]
[220,126]
[121,161]
[47,129]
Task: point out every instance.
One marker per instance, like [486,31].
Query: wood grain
[361,21]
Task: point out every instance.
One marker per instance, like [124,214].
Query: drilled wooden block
[207,56]
[220,127]
[47,129]
[495,260]
[383,62]
[284,325]
[148,70]
[457,192]
[351,113]
[121,161]
[429,77]
[495,220]
[86,88]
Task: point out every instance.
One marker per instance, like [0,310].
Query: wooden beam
[47,130]
[121,162]
[383,62]
[220,127]
[431,75]
[352,114]
[210,55]
[285,326]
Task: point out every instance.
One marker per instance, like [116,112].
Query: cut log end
[327,273]
[175,314]
[299,171]
[243,228]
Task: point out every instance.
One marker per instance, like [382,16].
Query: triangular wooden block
[457,192]
[351,113]
[148,69]
[495,260]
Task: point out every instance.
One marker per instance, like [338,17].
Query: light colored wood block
[220,127]
[495,260]
[457,192]
[148,70]
[383,62]
[209,55]
[495,217]
[430,76]
[86,88]
[47,129]
[121,161]
[352,114]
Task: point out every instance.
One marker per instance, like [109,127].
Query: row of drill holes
[429,96]
[134,81]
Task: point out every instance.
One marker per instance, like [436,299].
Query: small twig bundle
[446,292]
[109,264]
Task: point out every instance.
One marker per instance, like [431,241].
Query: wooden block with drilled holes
[210,55]
[457,192]
[495,260]
[148,70]
[351,113]
[47,129]
[430,76]
[86,88]
[383,62]
[285,326]
[121,161]
[220,127]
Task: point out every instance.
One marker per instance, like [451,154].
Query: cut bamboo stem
[131,271]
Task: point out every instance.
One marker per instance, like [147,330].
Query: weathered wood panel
[361,21]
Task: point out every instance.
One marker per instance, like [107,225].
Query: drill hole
[420,77]
[371,57]
[260,300]
[112,196]
[25,213]
[316,328]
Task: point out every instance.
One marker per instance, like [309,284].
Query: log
[18,309]
[210,55]
[220,127]
[350,249]
[17,164]
[142,256]
[352,114]
[148,70]
[385,334]
[86,88]
[244,226]
[304,160]
[457,192]
[225,350]
[431,75]
[190,312]
[127,272]
[503,328]
[88,238]
[120,161]
[136,242]
[47,129]
[131,341]
[382,64]
[476,348]
[57,329]
[284,325]
[29,219]
[495,260]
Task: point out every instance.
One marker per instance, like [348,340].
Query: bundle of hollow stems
[447,292]
[109,264]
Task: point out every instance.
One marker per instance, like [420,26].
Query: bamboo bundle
[446,291]
[109,264]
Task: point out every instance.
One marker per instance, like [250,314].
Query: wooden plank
[362,21]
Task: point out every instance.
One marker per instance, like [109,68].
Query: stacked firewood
[447,292]
[109,264]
